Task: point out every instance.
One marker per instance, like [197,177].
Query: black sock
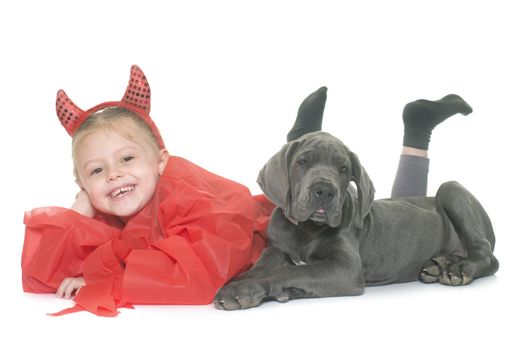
[310,115]
[421,116]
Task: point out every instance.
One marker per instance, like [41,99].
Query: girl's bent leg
[420,118]
[411,177]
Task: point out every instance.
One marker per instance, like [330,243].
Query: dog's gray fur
[327,238]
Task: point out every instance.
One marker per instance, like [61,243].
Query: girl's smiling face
[120,175]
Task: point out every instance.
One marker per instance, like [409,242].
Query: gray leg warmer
[411,177]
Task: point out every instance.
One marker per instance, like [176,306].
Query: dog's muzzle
[322,201]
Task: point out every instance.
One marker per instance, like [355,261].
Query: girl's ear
[163,160]
[78,182]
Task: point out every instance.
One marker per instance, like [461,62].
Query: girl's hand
[82,204]
[70,287]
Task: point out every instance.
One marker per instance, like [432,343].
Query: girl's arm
[70,286]
[57,242]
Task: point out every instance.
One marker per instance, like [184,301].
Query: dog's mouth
[319,215]
[326,216]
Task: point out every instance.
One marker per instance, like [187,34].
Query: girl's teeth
[122,191]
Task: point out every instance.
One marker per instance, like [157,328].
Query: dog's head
[309,178]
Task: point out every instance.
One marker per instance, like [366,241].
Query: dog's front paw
[241,295]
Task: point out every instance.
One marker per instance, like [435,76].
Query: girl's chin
[125,214]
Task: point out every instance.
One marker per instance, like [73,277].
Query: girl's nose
[114,174]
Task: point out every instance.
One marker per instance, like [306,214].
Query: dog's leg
[335,275]
[475,232]
[253,293]
[270,259]
[330,277]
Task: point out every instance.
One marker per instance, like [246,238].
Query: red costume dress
[197,232]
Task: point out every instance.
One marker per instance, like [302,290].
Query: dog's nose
[324,192]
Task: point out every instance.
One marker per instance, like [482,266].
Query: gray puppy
[328,238]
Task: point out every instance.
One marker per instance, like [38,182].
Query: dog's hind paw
[430,272]
[451,270]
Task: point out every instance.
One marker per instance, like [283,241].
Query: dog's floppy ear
[274,178]
[365,189]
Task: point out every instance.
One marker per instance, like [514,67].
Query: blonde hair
[126,123]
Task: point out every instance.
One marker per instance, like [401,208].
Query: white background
[227,78]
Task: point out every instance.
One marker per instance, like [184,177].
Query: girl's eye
[96,171]
[127,159]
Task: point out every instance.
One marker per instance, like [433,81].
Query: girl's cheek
[93,187]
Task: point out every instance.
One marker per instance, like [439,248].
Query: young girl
[148,228]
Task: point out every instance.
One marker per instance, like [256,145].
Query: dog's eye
[302,162]
[343,169]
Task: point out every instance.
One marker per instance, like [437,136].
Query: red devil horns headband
[136,99]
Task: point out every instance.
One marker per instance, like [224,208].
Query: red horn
[68,113]
[138,91]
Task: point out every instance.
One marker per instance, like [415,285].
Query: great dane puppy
[328,238]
